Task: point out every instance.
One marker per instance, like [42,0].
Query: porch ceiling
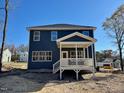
[74,44]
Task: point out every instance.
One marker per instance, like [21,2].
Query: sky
[27,13]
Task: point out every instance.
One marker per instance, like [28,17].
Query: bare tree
[22,48]
[115,29]
[5,8]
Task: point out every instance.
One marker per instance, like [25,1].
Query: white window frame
[83,32]
[54,35]
[34,36]
[44,56]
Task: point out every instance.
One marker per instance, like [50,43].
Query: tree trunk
[121,59]
[4,33]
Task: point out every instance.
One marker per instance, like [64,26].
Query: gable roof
[76,34]
[61,27]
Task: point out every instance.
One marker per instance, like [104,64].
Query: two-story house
[62,47]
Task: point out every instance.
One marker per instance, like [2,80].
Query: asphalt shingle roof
[61,27]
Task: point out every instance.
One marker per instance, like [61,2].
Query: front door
[64,54]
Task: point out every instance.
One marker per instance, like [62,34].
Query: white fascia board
[76,34]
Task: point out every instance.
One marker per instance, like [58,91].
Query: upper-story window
[85,33]
[54,35]
[36,36]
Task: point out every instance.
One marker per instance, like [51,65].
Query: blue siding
[45,44]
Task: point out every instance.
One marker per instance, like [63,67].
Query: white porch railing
[76,62]
[72,62]
[56,66]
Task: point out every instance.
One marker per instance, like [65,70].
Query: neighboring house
[23,56]
[106,61]
[117,63]
[62,47]
[6,55]
[109,61]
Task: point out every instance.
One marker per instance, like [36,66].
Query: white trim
[87,52]
[84,52]
[76,53]
[76,42]
[76,34]
[72,44]
[34,35]
[45,60]
[60,54]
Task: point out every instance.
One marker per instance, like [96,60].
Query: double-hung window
[54,35]
[36,36]
[85,33]
[40,56]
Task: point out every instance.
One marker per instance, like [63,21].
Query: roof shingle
[62,27]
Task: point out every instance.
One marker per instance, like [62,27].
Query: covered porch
[75,55]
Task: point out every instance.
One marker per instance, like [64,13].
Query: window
[36,36]
[80,54]
[41,56]
[54,35]
[85,33]
[35,56]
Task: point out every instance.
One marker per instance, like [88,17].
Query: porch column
[60,51]
[95,56]
[76,54]
[93,61]
[60,62]
[87,52]
[84,52]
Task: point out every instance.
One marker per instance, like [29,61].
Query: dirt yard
[14,65]
[23,81]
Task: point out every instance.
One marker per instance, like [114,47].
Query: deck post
[93,62]
[60,74]
[77,76]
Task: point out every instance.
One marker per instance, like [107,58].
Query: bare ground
[23,81]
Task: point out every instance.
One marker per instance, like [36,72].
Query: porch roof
[74,44]
[76,34]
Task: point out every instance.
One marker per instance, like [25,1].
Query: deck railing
[76,62]
[56,66]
